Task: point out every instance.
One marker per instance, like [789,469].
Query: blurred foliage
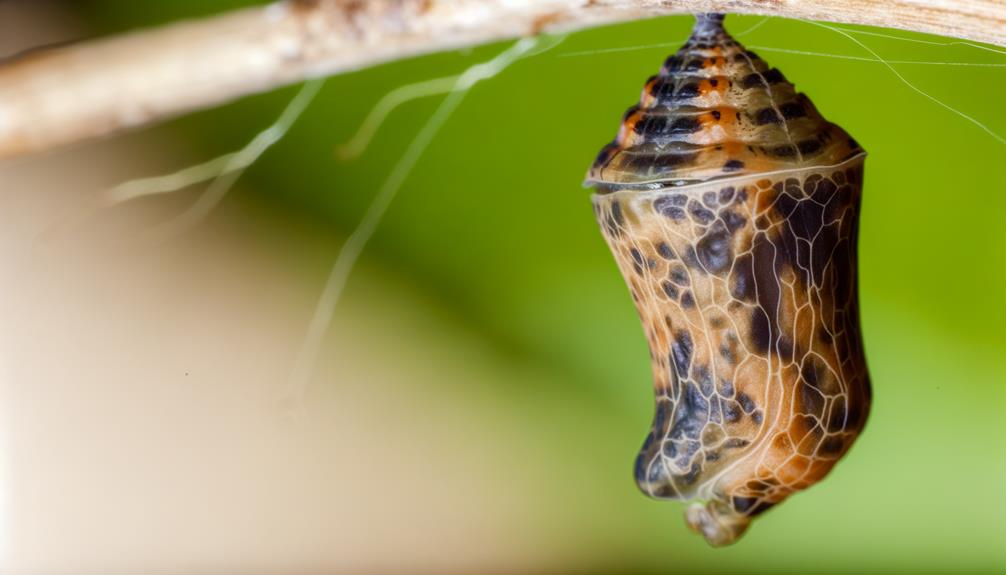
[494,225]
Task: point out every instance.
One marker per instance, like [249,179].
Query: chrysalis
[731,207]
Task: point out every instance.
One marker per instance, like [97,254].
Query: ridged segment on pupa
[732,207]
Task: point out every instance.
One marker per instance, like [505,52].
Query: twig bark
[96,88]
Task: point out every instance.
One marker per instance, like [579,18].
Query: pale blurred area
[144,425]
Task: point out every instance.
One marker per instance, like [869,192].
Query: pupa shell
[731,207]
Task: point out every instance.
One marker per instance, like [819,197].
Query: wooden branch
[96,88]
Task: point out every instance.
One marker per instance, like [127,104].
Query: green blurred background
[492,240]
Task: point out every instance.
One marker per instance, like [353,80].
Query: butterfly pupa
[731,207]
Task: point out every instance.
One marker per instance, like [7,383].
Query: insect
[731,207]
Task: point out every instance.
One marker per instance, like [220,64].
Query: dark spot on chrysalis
[665,251]
[705,379]
[746,403]
[824,336]
[614,220]
[693,474]
[811,399]
[784,347]
[732,220]
[605,154]
[616,212]
[811,372]
[731,412]
[685,126]
[636,256]
[832,445]
[699,213]
[792,110]
[687,91]
[766,265]
[670,289]
[687,300]
[656,475]
[679,276]
[808,147]
[752,80]
[681,353]
[714,250]
[689,257]
[665,490]
[852,419]
[784,151]
[726,388]
[666,206]
[744,504]
[673,213]
[742,278]
[670,450]
[760,331]
[838,415]
[714,409]
[664,163]
[767,116]
[773,76]
[762,507]
[690,417]
[650,126]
